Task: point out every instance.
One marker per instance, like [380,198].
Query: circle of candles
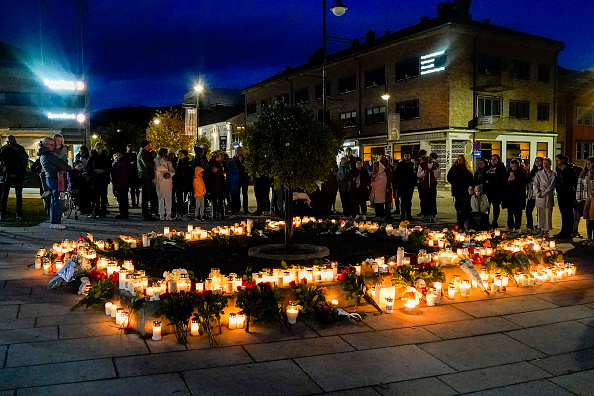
[156,330]
[108,308]
[292,312]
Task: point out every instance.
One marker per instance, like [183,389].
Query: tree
[290,145]
[169,132]
[120,134]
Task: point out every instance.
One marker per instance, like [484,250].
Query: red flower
[304,281]
[292,284]
[341,277]
[97,275]
[457,227]
[115,277]
[487,243]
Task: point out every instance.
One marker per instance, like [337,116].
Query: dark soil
[201,256]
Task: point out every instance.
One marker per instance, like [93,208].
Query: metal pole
[324,61]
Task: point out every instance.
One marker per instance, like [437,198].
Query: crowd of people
[176,185]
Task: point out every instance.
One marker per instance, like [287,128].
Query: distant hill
[140,115]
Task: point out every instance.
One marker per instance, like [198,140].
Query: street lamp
[337,9]
[157,121]
[198,88]
[386,97]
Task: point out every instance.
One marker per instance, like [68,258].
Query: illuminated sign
[80,117]
[434,62]
[65,85]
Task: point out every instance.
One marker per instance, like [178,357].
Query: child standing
[199,192]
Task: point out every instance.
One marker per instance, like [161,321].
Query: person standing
[164,183]
[233,185]
[146,174]
[515,195]
[428,174]
[13,165]
[378,189]
[182,183]
[329,190]
[405,180]
[583,191]
[133,182]
[418,161]
[479,173]
[216,187]
[543,189]
[531,198]
[360,189]
[460,178]
[62,152]
[199,192]
[51,165]
[390,177]
[244,179]
[344,187]
[120,181]
[99,168]
[565,184]
[495,177]
[262,185]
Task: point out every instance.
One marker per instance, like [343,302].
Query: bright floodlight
[156,121]
[79,85]
[198,88]
[80,117]
[338,9]
[386,96]
[94,136]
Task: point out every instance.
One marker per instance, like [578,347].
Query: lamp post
[337,9]
[386,97]
[198,88]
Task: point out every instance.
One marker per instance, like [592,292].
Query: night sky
[150,52]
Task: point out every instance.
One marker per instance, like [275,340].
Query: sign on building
[393,126]
[223,143]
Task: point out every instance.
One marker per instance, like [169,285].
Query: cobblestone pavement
[532,340]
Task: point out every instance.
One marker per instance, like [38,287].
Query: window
[375,77]
[407,69]
[375,115]
[301,95]
[585,116]
[544,73]
[542,113]
[520,69]
[283,98]
[319,90]
[519,109]
[347,84]
[517,150]
[348,119]
[401,149]
[489,106]
[489,64]
[583,150]
[19,99]
[542,149]
[264,103]
[250,108]
[408,110]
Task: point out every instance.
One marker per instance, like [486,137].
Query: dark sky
[150,52]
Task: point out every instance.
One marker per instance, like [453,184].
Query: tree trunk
[289,247]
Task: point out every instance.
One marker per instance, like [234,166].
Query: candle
[240,320]
[46,267]
[119,312]
[190,228]
[431,298]
[552,244]
[358,269]
[465,288]
[400,256]
[125,319]
[451,291]
[111,268]
[232,321]
[437,286]
[114,309]
[493,288]
[504,282]
[410,305]
[457,283]
[292,312]
[145,241]
[59,265]
[441,244]
[166,231]
[156,330]
[389,305]
[406,261]
[122,279]
[497,233]
[90,237]
[334,302]
[431,243]
[108,308]
[116,245]
[38,262]
[172,286]
[194,328]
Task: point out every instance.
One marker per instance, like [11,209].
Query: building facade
[458,86]
[41,103]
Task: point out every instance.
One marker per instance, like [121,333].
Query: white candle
[552,244]
[194,328]
[232,321]
[292,312]
[190,228]
[431,299]
[166,232]
[410,305]
[111,268]
[113,309]
[358,269]
[119,314]
[108,308]
[145,240]
[116,245]
[240,320]
[38,262]
[441,244]
[400,256]
[172,285]
[451,291]
[59,265]
[156,330]
[465,288]
[389,305]
[493,288]
[122,279]
[46,268]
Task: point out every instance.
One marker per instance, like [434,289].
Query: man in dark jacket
[405,181]
[133,182]
[239,160]
[361,180]
[120,182]
[13,165]
[99,169]
[565,184]
[182,183]
[460,178]
[515,195]
[51,165]
[495,177]
[146,174]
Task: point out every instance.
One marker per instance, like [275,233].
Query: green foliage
[418,238]
[309,296]
[406,275]
[262,302]
[219,239]
[97,294]
[356,287]
[209,306]
[288,144]
[118,135]
[169,132]
[177,308]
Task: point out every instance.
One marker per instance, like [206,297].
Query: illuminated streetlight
[94,136]
[157,121]
[337,9]
[385,97]
[81,118]
[198,88]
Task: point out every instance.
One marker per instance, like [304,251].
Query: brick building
[452,80]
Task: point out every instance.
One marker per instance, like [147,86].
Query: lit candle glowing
[232,321]
[108,308]
[292,312]
[114,309]
[240,320]
[194,327]
[465,288]
[156,330]
[451,291]
[389,305]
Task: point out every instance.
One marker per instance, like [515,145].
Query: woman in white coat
[379,181]
[544,186]
[164,183]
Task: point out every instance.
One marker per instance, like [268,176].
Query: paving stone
[467,328]
[258,334]
[480,351]
[573,297]
[535,290]
[546,316]
[180,361]
[47,309]
[75,349]
[581,383]
[15,291]
[33,334]
[89,317]
[9,311]
[486,378]
[166,384]
[66,300]
[7,393]
[421,316]
[337,328]
[567,363]
[3,350]
[424,386]
[368,391]
[297,348]
[578,284]
[371,367]
[167,343]
[282,377]
[388,338]
[50,374]
[11,324]
[504,306]
[556,338]
[542,387]
[81,330]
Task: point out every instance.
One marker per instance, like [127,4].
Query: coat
[145,165]
[51,164]
[378,186]
[495,178]
[233,174]
[163,184]
[515,190]
[460,179]
[428,174]
[13,161]
[342,177]
[544,187]
[120,173]
[362,177]
[182,180]
[198,182]
[405,177]
[99,161]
